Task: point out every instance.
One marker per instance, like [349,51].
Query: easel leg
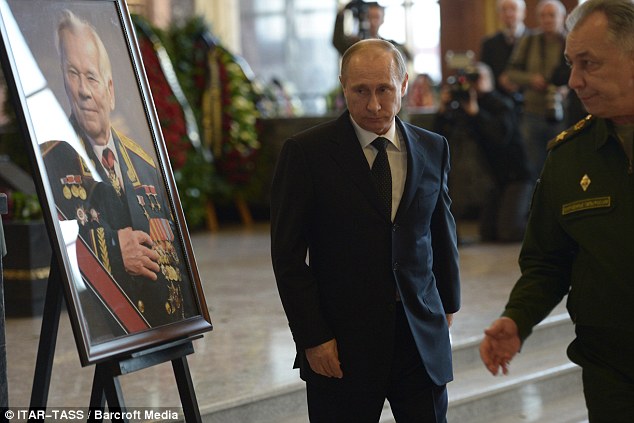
[106,388]
[97,397]
[243,210]
[48,338]
[211,217]
[186,390]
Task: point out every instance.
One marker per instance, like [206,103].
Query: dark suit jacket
[325,202]
[496,52]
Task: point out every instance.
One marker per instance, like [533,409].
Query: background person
[474,115]
[532,65]
[369,17]
[422,93]
[370,309]
[579,236]
[496,49]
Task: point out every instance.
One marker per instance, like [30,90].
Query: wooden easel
[106,387]
[211,218]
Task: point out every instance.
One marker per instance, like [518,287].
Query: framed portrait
[118,232]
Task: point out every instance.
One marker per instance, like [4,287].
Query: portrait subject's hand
[324,359]
[138,257]
[500,344]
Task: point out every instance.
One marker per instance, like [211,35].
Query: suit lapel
[347,153]
[415,164]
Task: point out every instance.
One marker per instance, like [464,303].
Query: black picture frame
[87,210]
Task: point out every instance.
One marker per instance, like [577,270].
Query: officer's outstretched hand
[500,344]
[138,257]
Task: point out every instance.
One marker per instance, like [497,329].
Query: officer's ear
[111,92]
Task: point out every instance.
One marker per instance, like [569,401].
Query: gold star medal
[585,182]
[141,201]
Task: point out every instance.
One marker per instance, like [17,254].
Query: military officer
[127,248]
[579,240]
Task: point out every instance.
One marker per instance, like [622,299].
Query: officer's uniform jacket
[580,235]
[101,209]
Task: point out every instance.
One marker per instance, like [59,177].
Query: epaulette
[136,148]
[570,132]
[48,146]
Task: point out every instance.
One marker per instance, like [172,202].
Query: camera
[359,11]
[461,83]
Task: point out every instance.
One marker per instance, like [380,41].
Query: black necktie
[382,174]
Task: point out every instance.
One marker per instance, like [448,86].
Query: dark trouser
[606,358]
[412,395]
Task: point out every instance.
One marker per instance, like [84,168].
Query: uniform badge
[82,217]
[175,300]
[94,215]
[80,188]
[561,136]
[73,187]
[585,182]
[150,192]
[66,191]
[141,201]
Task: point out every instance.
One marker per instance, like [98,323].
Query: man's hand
[449,319]
[138,257]
[500,344]
[505,82]
[538,82]
[470,105]
[324,359]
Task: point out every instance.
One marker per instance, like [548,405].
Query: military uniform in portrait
[105,203]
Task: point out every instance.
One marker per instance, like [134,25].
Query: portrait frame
[107,319]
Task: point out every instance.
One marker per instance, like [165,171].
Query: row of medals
[73,187]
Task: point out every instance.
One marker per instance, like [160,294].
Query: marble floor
[250,350]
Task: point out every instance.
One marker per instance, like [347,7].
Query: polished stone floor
[250,352]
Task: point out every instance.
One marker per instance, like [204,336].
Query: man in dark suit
[370,306]
[127,248]
[497,48]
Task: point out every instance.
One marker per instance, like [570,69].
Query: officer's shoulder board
[136,149]
[47,146]
[570,133]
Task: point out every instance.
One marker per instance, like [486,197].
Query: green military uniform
[580,242]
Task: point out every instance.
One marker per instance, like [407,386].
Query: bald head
[374,47]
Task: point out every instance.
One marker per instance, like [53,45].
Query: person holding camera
[483,131]
[532,66]
[368,18]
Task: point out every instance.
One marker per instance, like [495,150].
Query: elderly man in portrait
[125,222]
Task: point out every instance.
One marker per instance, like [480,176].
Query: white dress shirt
[396,156]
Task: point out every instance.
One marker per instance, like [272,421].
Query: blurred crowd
[499,111]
